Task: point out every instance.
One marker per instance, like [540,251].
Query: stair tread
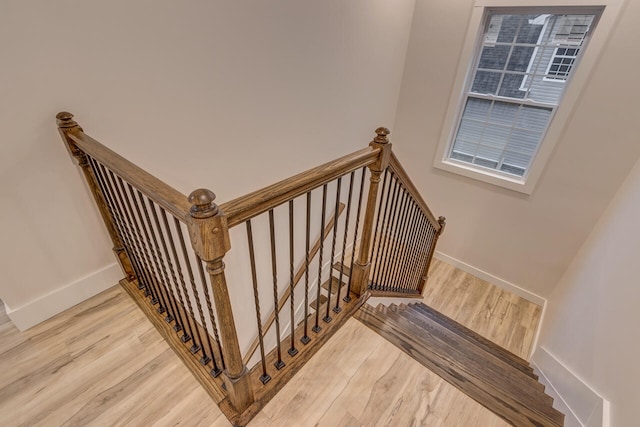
[314,303]
[474,337]
[335,285]
[457,342]
[488,382]
[346,270]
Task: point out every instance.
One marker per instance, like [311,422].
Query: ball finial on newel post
[202,203]
[64,119]
[381,135]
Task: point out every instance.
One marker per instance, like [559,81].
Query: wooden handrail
[166,196]
[404,179]
[299,273]
[246,207]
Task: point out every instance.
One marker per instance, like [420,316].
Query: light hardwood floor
[101,363]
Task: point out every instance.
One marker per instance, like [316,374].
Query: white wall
[592,316]
[226,95]
[524,240]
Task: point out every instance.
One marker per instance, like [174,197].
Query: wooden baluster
[361,267]
[67,126]
[210,240]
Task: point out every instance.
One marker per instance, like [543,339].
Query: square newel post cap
[208,228]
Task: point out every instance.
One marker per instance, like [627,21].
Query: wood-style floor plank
[102,363]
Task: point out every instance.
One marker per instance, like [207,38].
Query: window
[523,61]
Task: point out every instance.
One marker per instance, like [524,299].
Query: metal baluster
[398,254]
[293,350]
[377,237]
[121,227]
[316,328]
[326,317]
[305,338]
[424,242]
[205,287]
[157,256]
[122,193]
[188,328]
[170,289]
[410,260]
[187,262]
[252,258]
[347,297]
[185,256]
[388,277]
[274,270]
[387,236]
[337,308]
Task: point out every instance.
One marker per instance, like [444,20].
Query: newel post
[362,265]
[67,127]
[210,239]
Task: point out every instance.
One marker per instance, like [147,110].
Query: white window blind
[522,66]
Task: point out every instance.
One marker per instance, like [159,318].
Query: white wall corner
[494,280]
[582,406]
[57,301]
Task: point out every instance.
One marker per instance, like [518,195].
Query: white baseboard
[501,283]
[47,306]
[582,406]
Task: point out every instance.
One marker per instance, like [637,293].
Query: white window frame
[607,10]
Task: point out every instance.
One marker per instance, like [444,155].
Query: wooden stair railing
[180,288]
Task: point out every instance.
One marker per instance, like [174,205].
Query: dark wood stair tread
[496,384]
[495,365]
[335,285]
[474,338]
[323,300]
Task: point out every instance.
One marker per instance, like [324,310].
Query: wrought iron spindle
[157,298]
[205,288]
[411,245]
[379,257]
[305,338]
[293,350]
[168,264]
[427,233]
[344,242]
[398,253]
[274,270]
[316,328]
[382,285]
[377,232]
[178,269]
[205,359]
[178,229]
[264,378]
[126,200]
[326,317]
[187,262]
[388,278]
[121,228]
[157,256]
[347,297]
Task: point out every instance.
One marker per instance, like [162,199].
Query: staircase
[494,377]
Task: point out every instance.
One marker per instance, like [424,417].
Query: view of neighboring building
[521,74]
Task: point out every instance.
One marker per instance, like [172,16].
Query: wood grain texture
[495,387]
[166,196]
[68,364]
[245,207]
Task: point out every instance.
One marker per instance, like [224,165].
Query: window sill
[514,183]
